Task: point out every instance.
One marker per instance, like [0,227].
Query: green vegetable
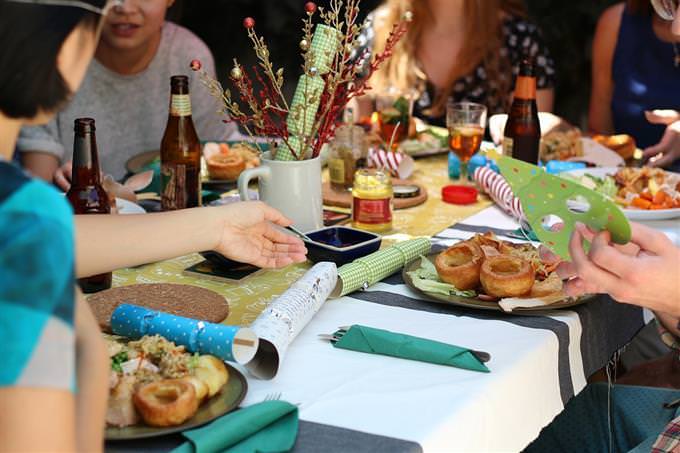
[193,361]
[117,360]
[426,279]
[402,105]
[606,185]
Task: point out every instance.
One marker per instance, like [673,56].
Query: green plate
[227,400]
[473,302]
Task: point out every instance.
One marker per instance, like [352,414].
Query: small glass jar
[347,147]
[372,200]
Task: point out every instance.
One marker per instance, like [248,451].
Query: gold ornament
[236,73]
[313,71]
[304,45]
[408,16]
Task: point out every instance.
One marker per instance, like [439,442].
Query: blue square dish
[340,245]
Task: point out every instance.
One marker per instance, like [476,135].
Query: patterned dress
[36,284]
[520,38]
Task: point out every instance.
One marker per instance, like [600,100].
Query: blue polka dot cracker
[544,196]
[230,343]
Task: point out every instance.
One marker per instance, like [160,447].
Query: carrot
[641,203]
[224,148]
[655,207]
[646,195]
[660,197]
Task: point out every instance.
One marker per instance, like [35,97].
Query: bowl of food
[340,245]
[225,161]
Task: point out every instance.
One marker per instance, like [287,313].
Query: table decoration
[268,426]
[366,271]
[377,341]
[287,315]
[229,343]
[498,189]
[399,164]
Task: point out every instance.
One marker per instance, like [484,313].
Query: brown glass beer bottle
[86,195]
[180,152]
[523,131]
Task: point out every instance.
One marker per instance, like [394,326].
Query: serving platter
[473,302]
[224,402]
[632,214]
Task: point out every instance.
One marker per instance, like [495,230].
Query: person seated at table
[646,273]
[666,153]
[636,69]
[126,90]
[54,374]
[464,50]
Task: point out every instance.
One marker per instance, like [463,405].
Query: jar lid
[405,191]
[459,194]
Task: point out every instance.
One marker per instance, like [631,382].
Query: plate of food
[491,274]
[643,193]
[428,141]
[157,388]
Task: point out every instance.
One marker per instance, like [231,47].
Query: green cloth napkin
[267,427]
[372,268]
[378,341]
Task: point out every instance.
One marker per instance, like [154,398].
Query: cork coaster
[332,197]
[181,300]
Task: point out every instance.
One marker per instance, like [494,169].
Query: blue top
[36,284]
[645,78]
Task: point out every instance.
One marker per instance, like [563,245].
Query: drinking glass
[466,122]
[394,110]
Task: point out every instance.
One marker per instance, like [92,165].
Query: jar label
[336,170]
[180,105]
[372,212]
[508,143]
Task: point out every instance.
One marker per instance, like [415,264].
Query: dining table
[350,401]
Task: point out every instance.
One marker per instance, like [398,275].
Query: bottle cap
[405,191]
[459,194]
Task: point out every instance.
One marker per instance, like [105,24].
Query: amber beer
[465,140]
[180,152]
[86,195]
[523,131]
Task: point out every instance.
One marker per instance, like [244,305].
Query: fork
[272,397]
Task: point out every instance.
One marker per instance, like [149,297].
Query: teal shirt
[37,285]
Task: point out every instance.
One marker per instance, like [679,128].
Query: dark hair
[641,7]
[31,36]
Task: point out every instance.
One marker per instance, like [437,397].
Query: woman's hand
[249,236]
[63,175]
[645,272]
[668,149]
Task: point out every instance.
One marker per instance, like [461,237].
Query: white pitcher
[292,187]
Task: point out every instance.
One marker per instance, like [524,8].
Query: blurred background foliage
[567,26]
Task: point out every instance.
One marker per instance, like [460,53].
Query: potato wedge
[212,372]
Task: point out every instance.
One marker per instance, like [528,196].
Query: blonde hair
[483,20]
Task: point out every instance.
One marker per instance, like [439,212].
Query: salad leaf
[426,279]
[606,185]
[401,104]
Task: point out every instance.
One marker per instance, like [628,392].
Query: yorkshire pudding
[226,166]
[459,265]
[506,276]
[166,403]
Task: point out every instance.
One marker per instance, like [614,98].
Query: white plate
[128,207]
[632,214]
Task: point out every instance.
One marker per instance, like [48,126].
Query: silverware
[335,337]
[298,233]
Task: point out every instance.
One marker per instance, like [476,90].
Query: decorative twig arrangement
[334,72]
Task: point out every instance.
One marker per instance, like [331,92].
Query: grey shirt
[131,111]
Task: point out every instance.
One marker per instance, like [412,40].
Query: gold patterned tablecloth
[250,296]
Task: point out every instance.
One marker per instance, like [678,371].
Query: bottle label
[336,170]
[180,187]
[372,212]
[180,105]
[507,146]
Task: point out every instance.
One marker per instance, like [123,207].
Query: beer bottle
[523,131]
[86,195]
[180,152]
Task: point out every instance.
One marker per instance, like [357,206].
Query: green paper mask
[543,195]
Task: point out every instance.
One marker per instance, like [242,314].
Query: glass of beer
[466,122]
[394,114]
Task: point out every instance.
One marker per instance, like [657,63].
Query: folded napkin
[377,341]
[266,427]
[230,343]
[368,270]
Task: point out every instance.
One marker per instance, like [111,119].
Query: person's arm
[244,232]
[644,273]
[93,379]
[545,99]
[604,43]
[39,164]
